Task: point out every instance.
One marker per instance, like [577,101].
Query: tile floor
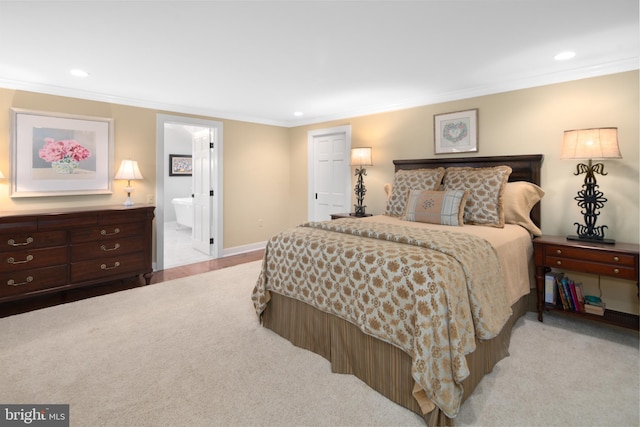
[177,246]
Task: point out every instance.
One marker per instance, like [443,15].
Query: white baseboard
[244,249]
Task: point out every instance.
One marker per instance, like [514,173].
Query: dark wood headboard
[524,168]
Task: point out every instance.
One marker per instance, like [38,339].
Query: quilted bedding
[427,292]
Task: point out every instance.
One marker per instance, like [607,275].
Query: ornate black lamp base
[359,211]
[360,192]
[591,200]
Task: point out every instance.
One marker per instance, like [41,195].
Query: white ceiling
[261,61]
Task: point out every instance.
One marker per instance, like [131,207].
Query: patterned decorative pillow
[518,200]
[436,207]
[486,187]
[414,179]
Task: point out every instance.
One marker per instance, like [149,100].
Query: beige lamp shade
[361,156]
[1,175]
[597,143]
[129,170]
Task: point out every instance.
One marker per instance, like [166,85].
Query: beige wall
[255,159]
[256,182]
[528,121]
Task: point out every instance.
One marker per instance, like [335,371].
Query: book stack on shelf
[594,305]
[567,295]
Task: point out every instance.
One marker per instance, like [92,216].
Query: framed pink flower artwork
[456,132]
[60,154]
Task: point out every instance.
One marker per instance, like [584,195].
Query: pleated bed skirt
[382,366]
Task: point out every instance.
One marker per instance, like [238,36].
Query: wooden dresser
[43,252]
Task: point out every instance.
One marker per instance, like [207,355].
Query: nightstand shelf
[611,317]
[619,260]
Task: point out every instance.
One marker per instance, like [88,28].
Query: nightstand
[348,215]
[617,260]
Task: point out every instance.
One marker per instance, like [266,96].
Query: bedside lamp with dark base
[599,143]
[360,157]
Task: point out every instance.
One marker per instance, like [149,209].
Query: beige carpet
[191,352]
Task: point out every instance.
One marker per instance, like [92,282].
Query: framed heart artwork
[456,132]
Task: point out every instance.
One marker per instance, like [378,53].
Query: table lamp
[360,157]
[128,170]
[596,143]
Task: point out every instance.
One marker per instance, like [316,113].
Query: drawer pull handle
[559,251]
[615,270]
[616,259]
[115,265]
[104,248]
[12,260]
[12,282]
[27,242]
[559,262]
[106,233]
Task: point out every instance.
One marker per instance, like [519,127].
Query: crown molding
[517,83]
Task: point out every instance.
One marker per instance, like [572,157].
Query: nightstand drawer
[620,271]
[583,254]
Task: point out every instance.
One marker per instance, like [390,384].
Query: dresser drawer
[111,247]
[18,223]
[30,259]
[122,217]
[64,221]
[107,268]
[101,233]
[583,254]
[11,242]
[27,281]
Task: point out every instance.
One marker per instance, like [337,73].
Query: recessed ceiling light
[298,113]
[79,73]
[564,55]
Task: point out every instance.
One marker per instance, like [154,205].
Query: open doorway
[188,191]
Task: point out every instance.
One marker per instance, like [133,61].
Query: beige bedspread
[512,244]
[428,292]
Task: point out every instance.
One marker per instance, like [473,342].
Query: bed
[418,308]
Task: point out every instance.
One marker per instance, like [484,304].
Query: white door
[202,147]
[330,172]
